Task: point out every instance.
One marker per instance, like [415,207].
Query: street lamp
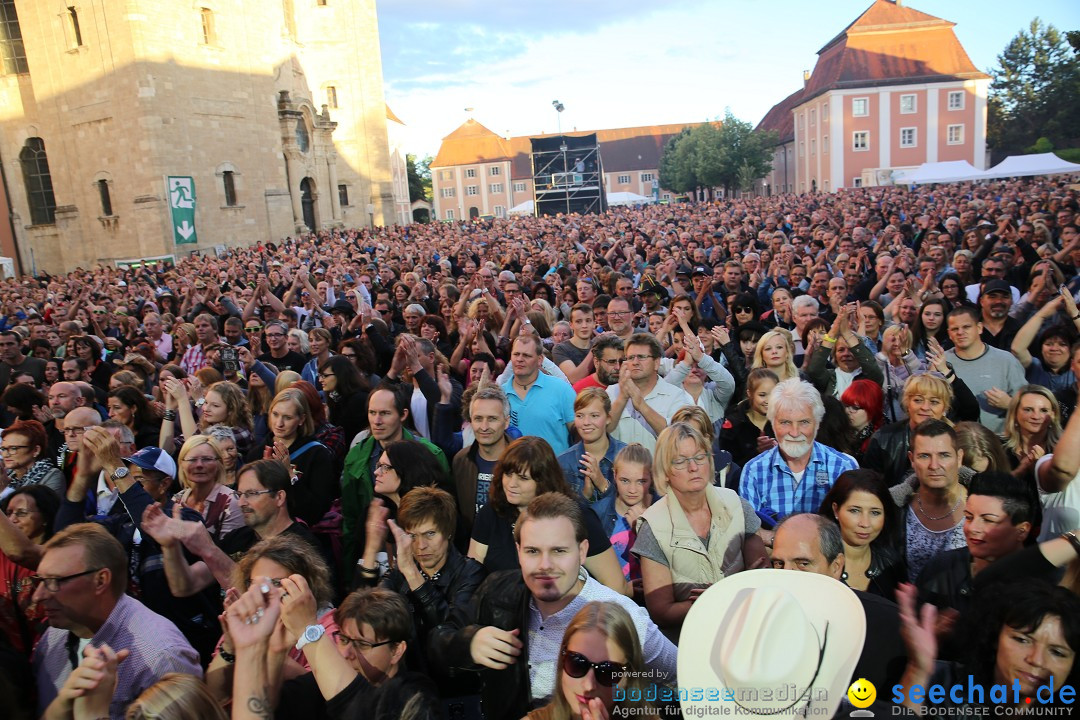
[559,107]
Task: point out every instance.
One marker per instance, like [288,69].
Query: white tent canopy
[1028,165]
[951,171]
[525,208]
[627,198]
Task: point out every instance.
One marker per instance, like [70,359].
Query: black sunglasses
[577,665]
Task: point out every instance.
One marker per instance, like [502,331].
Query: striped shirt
[157,648]
[769,485]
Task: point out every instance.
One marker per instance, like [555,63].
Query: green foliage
[729,155]
[1069,155]
[419,174]
[1035,91]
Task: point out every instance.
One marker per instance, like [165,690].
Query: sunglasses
[577,665]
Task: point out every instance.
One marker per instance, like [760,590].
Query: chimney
[805,77]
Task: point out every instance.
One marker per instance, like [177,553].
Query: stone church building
[274,109]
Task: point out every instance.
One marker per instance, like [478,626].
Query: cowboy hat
[774,643]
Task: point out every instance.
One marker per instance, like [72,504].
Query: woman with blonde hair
[284,379]
[176,696]
[319,343]
[543,306]
[927,396]
[202,477]
[291,440]
[600,651]
[776,351]
[676,565]
[1032,428]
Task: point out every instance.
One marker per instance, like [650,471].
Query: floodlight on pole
[559,107]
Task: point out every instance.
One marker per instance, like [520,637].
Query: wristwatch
[120,472]
[311,634]
[200,402]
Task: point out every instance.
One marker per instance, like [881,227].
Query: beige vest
[691,564]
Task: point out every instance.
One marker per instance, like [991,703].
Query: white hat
[768,642]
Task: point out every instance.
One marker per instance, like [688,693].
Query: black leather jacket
[502,601]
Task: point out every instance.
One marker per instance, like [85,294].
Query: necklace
[918,499]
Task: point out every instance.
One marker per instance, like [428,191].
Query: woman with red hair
[864,402]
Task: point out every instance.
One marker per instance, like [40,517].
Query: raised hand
[495,648]
[252,617]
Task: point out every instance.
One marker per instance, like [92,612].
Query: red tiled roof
[891,44]
[471,143]
[635,148]
[780,118]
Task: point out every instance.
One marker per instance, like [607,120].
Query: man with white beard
[794,476]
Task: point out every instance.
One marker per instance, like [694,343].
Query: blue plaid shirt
[768,484]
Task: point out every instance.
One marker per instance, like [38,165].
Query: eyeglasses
[383,468]
[743,309]
[251,494]
[359,644]
[348,355]
[325,375]
[698,460]
[76,431]
[275,335]
[99,312]
[52,584]
[20,513]
[200,460]
[617,313]
[9,449]
[576,665]
[637,358]
[253,329]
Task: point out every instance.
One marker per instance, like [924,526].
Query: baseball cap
[996,286]
[154,458]
[701,270]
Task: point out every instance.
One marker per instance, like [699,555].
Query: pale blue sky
[621,63]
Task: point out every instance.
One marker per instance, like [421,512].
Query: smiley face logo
[862,693]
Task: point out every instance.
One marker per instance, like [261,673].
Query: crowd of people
[532,467]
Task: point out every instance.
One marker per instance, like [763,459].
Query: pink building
[892,91]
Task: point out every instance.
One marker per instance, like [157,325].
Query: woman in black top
[346,395]
[529,468]
[745,432]
[859,502]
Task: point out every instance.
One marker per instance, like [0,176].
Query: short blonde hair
[590,395]
[667,449]
[190,444]
[927,384]
[904,333]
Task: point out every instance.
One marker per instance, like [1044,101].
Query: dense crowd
[549,467]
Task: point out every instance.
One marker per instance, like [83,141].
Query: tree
[730,154]
[1035,91]
[419,177]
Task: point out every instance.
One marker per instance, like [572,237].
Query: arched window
[106,198]
[39,188]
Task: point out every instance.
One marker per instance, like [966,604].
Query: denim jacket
[570,462]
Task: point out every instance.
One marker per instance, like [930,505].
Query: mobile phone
[229,360]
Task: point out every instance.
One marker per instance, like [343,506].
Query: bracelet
[168,415]
[828,338]
[226,655]
[1076,316]
[368,572]
[1073,540]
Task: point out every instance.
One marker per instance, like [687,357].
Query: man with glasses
[75,424]
[620,317]
[522,614]
[81,582]
[261,491]
[607,353]
[277,348]
[642,405]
